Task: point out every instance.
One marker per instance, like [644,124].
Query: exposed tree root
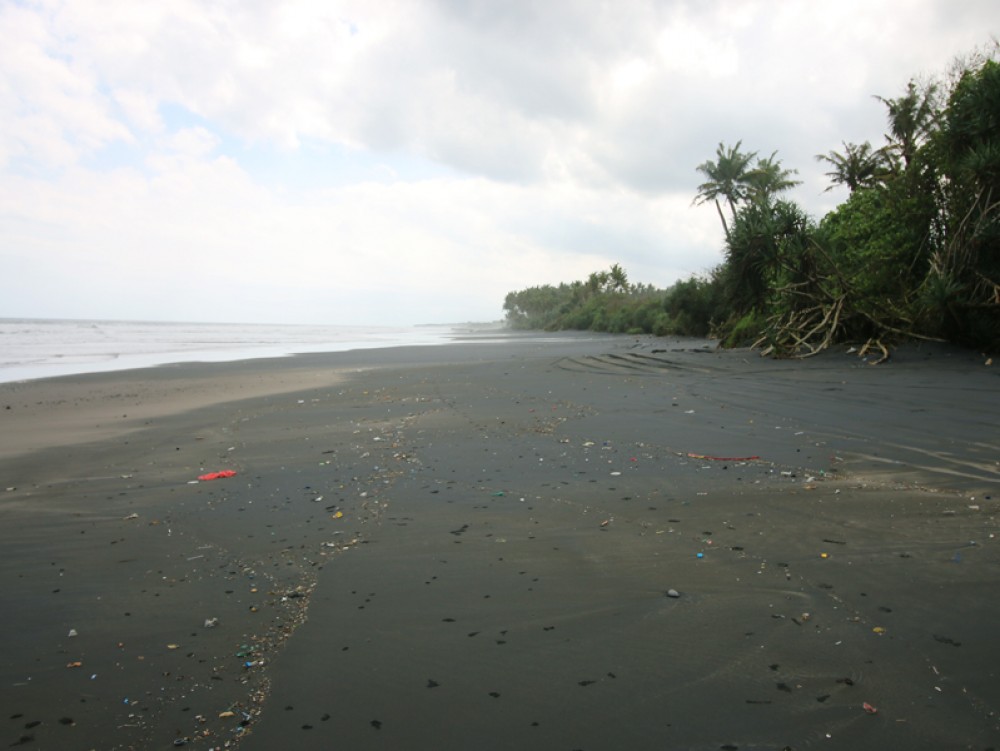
[872,344]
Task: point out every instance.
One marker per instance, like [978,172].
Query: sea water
[41,348]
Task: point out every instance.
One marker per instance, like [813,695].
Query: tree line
[913,252]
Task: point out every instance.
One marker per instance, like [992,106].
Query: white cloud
[193,143]
[684,47]
[140,110]
[495,145]
[195,234]
[52,108]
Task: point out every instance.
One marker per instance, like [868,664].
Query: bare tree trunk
[725,227]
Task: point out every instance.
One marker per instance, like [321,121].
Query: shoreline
[543,494]
[50,348]
[104,404]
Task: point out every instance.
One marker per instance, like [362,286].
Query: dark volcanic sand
[470,547]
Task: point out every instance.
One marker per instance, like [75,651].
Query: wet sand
[471,546]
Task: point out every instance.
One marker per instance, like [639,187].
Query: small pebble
[673,593]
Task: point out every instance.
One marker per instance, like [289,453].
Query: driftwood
[823,306]
[818,313]
[803,332]
[875,344]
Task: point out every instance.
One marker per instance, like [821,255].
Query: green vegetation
[606,301]
[913,252]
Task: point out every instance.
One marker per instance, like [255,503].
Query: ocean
[42,348]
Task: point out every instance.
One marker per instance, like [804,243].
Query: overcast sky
[383,162]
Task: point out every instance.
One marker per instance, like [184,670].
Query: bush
[746,330]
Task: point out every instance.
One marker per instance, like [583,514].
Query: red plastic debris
[217,475]
[869,708]
[724,458]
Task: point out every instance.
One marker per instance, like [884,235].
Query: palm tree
[859,166]
[617,279]
[768,178]
[727,178]
[913,117]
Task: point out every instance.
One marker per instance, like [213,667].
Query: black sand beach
[472,546]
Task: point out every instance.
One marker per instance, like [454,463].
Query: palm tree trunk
[725,227]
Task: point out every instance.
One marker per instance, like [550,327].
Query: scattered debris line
[723,458]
